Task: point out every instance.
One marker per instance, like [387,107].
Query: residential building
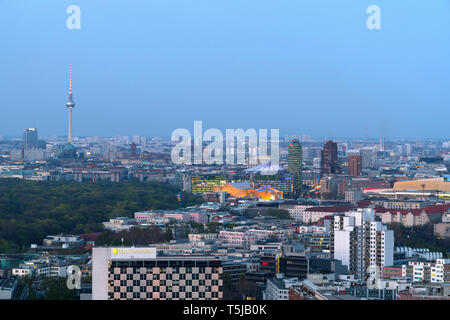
[428,272]
[361,243]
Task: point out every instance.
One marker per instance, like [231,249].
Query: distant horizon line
[282,137]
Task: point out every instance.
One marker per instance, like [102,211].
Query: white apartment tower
[361,243]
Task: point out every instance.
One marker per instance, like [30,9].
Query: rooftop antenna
[70,80]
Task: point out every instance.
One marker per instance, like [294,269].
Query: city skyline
[331,75]
[236,152]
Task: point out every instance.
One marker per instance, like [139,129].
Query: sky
[148,67]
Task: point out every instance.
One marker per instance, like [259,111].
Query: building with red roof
[413,217]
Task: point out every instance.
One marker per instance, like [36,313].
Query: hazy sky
[147,67]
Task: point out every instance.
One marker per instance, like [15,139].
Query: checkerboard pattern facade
[165,280]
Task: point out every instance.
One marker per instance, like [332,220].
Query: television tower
[70,105]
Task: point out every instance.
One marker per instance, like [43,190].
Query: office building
[354,165]
[278,287]
[295,165]
[295,265]
[382,143]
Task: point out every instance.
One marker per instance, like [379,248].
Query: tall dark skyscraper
[295,158]
[329,158]
[133,153]
[30,138]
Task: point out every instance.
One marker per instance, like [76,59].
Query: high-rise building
[329,158]
[140,274]
[382,143]
[295,158]
[362,244]
[30,138]
[133,153]
[67,150]
[354,165]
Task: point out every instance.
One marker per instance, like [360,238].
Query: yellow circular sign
[114,251]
